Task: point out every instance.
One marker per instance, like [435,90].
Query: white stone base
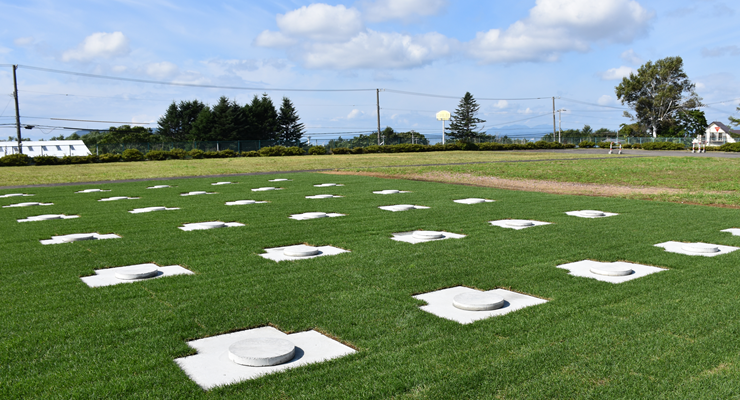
[473,201]
[266,189]
[107,277]
[65,238]
[93,191]
[403,207]
[409,237]
[677,247]
[328,185]
[243,202]
[277,253]
[150,209]
[222,183]
[391,191]
[119,198]
[159,187]
[15,195]
[47,217]
[323,196]
[200,226]
[733,231]
[280,180]
[503,223]
[311,215]
[212,367]
[590,214]
[196,193]
[583,269]
[28,204]
[440,303]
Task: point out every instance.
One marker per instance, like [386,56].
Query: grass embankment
[668,335]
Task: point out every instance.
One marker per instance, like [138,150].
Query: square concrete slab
[197,193]
[78,237]
[200,226]
[15,195]
[93,191]
[211,367]
[473,200]
[440,303]
[403,207]
[28,204]
[47,217]
[315,215]
[696,249]
[266,189]
[300,252]
[517,223]
[390,191]
[119,198]
[107,277]
[280,180]
[590,214]
[614,272]
[223,183]
[323,196]
[150,209]
[414,237]
[733,231]
[243,202]
[159,187]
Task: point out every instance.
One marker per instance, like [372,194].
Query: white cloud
[557,26]
[99,45]
[617,73]
[23,41]
[5,50]
[378,50]
[321,22]
[119,68]
[605,100]
[162,70]
[273,39]
[700,85]
[501,104]
[631,57]
[382,10]
[527,111]
[354,114]
[732,50]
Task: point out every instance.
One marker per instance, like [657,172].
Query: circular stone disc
[27,204]
[261,352]
[244,202]
[139,271]
[198,192]
[390,191]
[76,237]
[428,235]
[478,301]
[46,217]
[700,248]
[314,215]
[155,208]
[211,225]
[13,195]
[612,270]
[300,251]
[518,222]
[279,180]
[476,201]
[592,213]
[323,196]
[403,207]
[326,185]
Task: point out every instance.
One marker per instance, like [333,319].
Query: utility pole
[560,123]
[17,112]
[377,102]
[553,117]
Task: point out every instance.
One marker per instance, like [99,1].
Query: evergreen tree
[463,123]
[177,122]
[290,130]
[262,117]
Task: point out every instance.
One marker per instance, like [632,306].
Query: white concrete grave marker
[119,198]
[424,236]
[733,231]
[615,272]
[76,237]
[403,207]
[266,189]
[132,273]
[314,215]
[150,209]
[279,180]
[473,200]
[300,252]
[223,183]
[517,223]
[159,187]
[199,226]
[92,191]
[465,305]
[15,195]
[323,196]
[239,356]
[196,193]
[28,204]
[390,191]
[47,217]
[328,185]
[243,202]
[696,249]
[590,214]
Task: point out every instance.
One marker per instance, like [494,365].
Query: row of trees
[387,135]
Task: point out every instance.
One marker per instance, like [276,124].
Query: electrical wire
[458,97]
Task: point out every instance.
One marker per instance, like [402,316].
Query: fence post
[238,146]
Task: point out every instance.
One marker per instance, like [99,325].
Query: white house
[57,148]
[718,134]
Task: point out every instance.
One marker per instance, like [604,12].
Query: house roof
[725,127]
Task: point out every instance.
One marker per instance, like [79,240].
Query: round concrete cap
[221,183]
[612,270]
[198,192]
[211,225]
[322,196]
[390,191]
[28,204]
[76,237]
[478,301]
[155,208]
[428,235]
[262,189]
[403,207]
[592,213]
[325,185]
[13,195]
[159,187]
[313,215]
[475,200]
[243,202]
[301,251]
[139,271]
[279,180]
[700,248]
[518,222]
[261,352]
[46,217]
[116,198]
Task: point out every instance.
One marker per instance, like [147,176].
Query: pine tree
[290,130]
[463,123]
[263,124]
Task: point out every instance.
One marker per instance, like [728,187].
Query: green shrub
[251,153]
[294,151]
[317,150]
[196,153]
[109,157]
[586,144]
[273,151]
[178,154]
[728,147]
[372,149]
[636,145]
[408,148]
[46,160]
[132,155]
[211,154]
[228,153]
[663,146]
[156,155]
[358,150]
[340,150]
[491,146]
[78,159]
[603,145]
[569,146]
[15,160]
[626,146]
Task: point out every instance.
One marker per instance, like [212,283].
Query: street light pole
[560,124]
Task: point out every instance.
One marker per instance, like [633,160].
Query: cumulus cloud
[617,73]
[99,45]
[557,26]
[631,57]
[501,104]
[23,41]
[732,50]
[322,22]
[382,10]
[162,70]
[273,39]
[354,114]
[605,100]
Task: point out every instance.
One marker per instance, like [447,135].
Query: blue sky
[577,50]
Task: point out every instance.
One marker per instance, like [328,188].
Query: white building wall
[57,148]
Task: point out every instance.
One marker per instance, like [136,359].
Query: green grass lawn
[674,334]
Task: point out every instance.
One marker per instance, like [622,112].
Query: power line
[458,97]
[592,104]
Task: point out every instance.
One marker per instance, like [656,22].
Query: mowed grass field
[674,334]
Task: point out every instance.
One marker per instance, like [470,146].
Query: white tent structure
[57,148]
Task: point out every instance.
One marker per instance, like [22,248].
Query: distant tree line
[387,136]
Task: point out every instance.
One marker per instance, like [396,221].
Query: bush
[294,151]
[372,149]
[569,146]
[636,145]
[626,146]
[251,153]
[211,154]
[46,160]
[178,154]
[156,155]
[340,150]
[78,159]
[273,151]
[493,146]
[358,150]
[728,147]
[317,150]
[663,146]
[586,144]
[15,160]
[228,153]
[603,145]
[132,155]
[196,153]
[109,157]
[408,148]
